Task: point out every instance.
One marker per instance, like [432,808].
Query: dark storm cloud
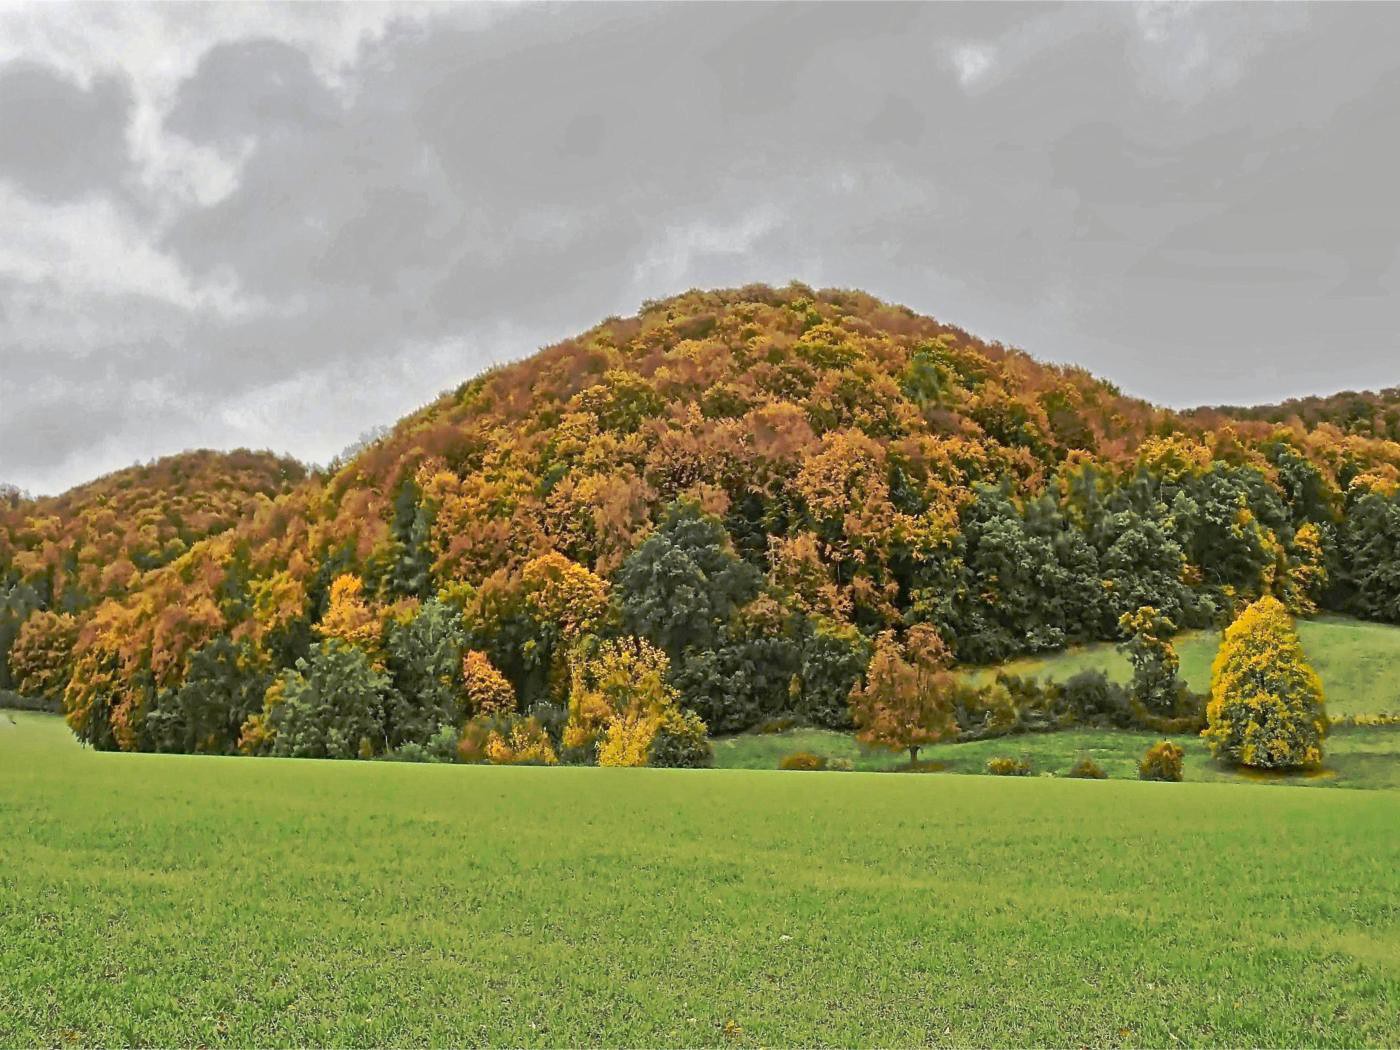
[1196,202]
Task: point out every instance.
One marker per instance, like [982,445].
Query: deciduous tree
[1266,705]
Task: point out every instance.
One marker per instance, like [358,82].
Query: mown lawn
[1358,662]
[186,900]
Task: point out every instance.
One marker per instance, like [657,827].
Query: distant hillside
[1367,413]
[96,541]
[757,482]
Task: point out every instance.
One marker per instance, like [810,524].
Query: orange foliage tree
[906,700]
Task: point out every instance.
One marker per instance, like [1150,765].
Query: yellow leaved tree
[1266,705]
[623,710]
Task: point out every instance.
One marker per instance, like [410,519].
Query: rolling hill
[755,482]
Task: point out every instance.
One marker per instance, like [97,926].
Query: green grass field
[192,900]
[1359,662]
[1356,758]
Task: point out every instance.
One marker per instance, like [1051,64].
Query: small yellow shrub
[804,760]
[526,744]
[1162,761]
[1085,768]
[1005,766]
[627,739]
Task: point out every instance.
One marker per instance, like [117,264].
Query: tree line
[727,508]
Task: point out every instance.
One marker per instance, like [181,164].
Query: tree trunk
[913,757]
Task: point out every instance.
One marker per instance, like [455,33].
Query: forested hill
[756,482]
[1367,413]
[67,553]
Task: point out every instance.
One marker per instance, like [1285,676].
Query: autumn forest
[734,507]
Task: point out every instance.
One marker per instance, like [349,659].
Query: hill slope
[67,553]
[756,482]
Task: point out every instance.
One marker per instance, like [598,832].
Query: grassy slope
[183,900]
[1358,662]
[1358,758]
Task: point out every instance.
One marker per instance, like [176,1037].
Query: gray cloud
[61,140]
[1196,202]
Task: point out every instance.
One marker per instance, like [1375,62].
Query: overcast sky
[281,226]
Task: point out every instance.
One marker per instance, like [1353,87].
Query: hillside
[1367,413]
[755,483]
[69,552]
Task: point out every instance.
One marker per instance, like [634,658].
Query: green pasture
[150,899]
[1359,662]
[1356,758]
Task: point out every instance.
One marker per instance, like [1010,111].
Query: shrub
[1376,721]
[778,724]
[526,744]
[424,658]
[476,734]
[1266,707]
[29,703]
[840,765]
[1162,761]
[40,656]
[1093,698]
[802,760]
[332,703]
[617,697]
[834,656]
[1035,706]
[1189,716]
[681,743]
[442,745]
[409,752]
[1005,766]
[1085,768]
[628,739]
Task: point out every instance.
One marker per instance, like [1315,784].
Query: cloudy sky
[280,226]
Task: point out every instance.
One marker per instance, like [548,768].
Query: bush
[681,743]
[778,724]
[1005,766]
[487,691]
[527,744]
[803,760]
[442,745]
[840,765]
[1036,706]
[1162,761]
[423,657]
[1189,716]
[329,706]
[409,752]
[834,657]
[1092,698]
[29,703]
[476,734]
[1085,768]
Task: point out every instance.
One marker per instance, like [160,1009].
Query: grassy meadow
[1359,662]
[195,900]
[1355,758]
